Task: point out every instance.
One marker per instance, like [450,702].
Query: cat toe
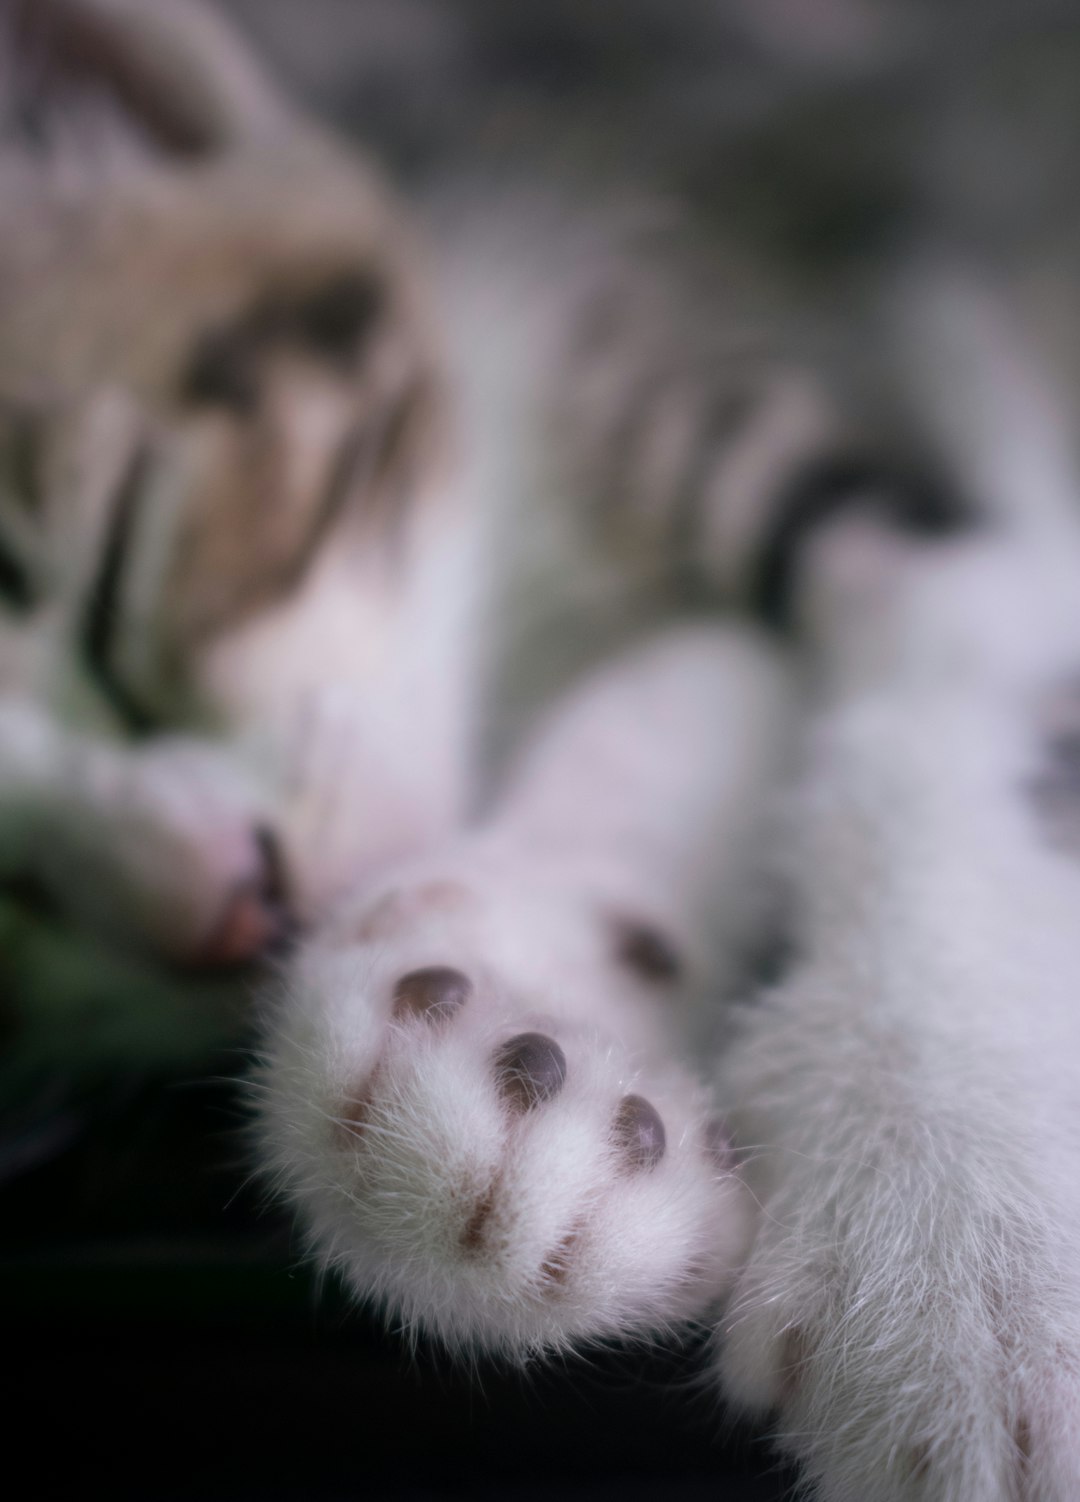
[471,1145]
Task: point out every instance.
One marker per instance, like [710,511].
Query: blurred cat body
[276,494]
[230,520]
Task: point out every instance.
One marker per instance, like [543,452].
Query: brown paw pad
[639,1133]
[434,993]
[529,1069]
[641,947]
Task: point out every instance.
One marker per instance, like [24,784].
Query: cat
[908,1306]
[461,1101]
[481,1071]
[226,503]
[469,1085]
[254,488]
[911,1307]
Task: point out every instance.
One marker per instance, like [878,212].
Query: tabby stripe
[102,611]
[832,485]
[15,585]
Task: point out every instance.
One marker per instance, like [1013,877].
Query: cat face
[215,355]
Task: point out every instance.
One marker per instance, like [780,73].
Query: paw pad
[646,950]
[530,1068]
[434,994]
[639,1132]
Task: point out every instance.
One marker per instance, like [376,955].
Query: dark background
[163,1340]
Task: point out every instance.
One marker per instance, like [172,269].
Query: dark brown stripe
[15,585]
[914,502]
[102,611]
[339,317]
[22,485]
[334,323]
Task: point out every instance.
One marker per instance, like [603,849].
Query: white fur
[911,1305]
[911,1299]
[637,802]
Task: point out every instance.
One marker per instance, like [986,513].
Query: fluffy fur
[592,908]
[911,1303]
[904,1099]
[254,495]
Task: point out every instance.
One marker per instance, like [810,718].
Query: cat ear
[174,68]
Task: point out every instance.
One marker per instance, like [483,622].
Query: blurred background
[160,1329]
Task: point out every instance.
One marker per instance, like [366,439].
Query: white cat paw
[462,1096]
[915,1341]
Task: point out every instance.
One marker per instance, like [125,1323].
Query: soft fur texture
[904,1100]
[592,909]
[374,557]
